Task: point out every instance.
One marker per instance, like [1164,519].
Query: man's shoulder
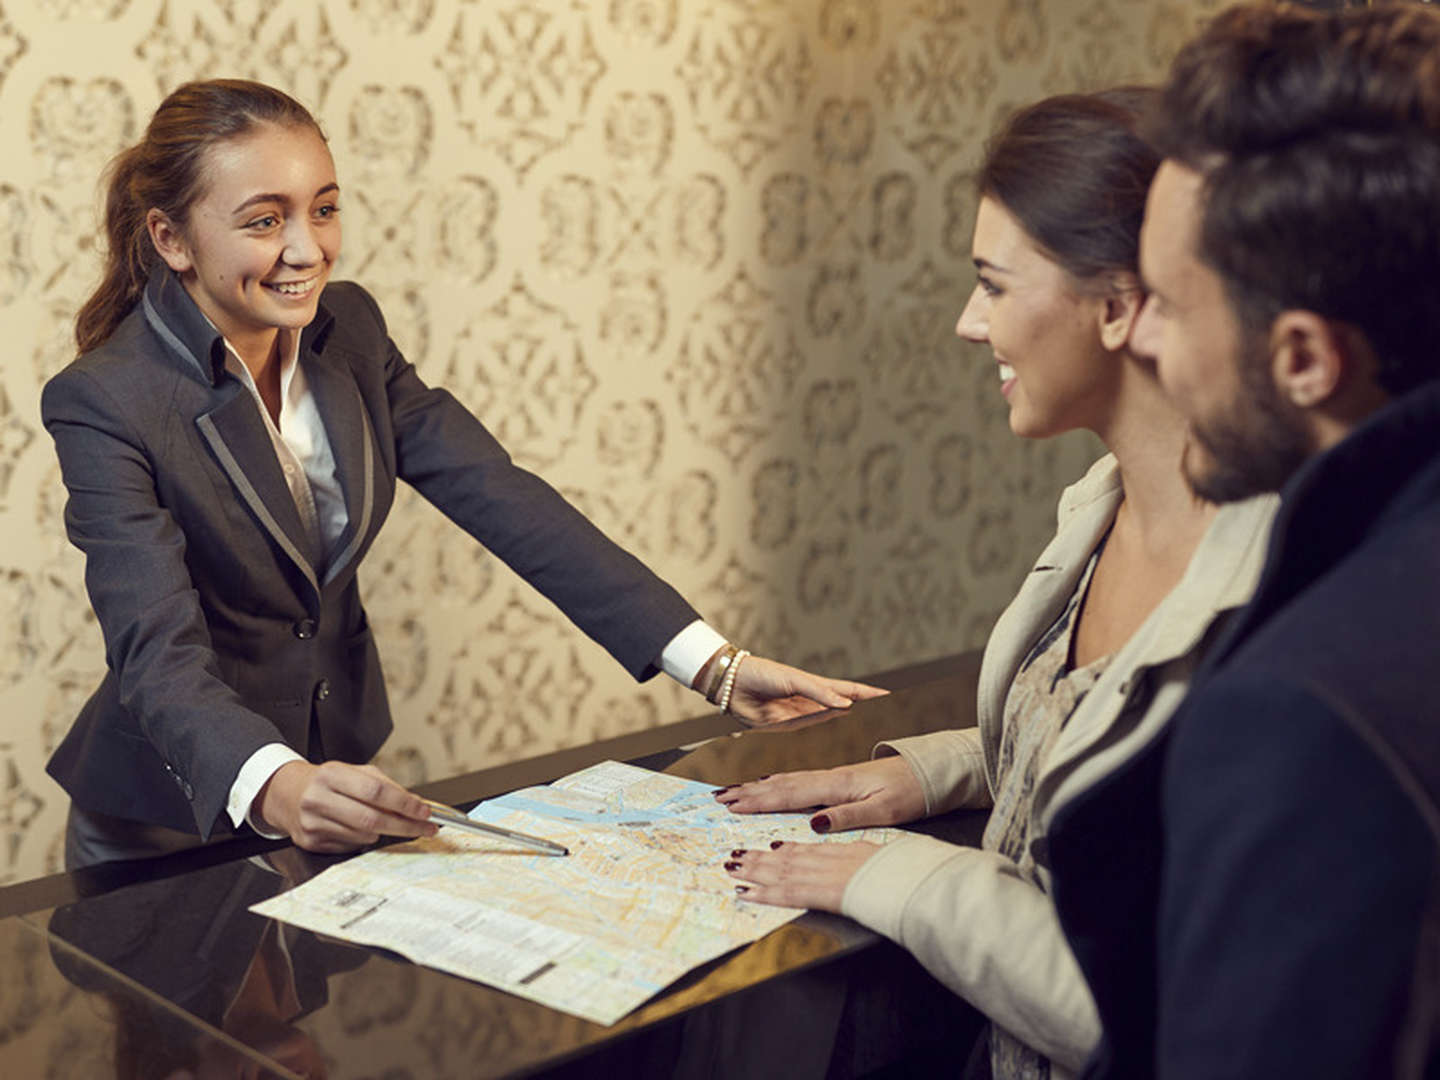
[1278,735]
[1372,619]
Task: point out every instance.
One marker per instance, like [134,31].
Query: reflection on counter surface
[167,977]
[64,1015]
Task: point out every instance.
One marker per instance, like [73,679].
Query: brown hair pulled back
[1074,172]
[165,171]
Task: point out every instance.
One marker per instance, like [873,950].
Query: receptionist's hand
[798,875]
[768,692]
[880,792]
[335,806]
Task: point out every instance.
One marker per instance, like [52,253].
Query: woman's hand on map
[335,806]
[798,875]
[768,692]
[885,791]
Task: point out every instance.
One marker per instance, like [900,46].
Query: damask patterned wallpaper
[696,261]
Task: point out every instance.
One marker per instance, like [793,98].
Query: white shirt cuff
[688,650]
[258,768]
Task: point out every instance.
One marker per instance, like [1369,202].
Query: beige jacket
[967,914]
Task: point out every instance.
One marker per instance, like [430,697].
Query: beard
[1256,447]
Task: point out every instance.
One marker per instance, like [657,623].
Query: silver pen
[448,815]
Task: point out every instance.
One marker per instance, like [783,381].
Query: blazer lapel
[1042,598]
[240,442]
[347,426]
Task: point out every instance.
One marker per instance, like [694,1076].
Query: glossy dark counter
[159,969]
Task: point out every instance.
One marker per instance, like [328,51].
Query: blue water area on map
[694,797]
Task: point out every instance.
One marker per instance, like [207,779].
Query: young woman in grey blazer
[1089,661]
[230,440]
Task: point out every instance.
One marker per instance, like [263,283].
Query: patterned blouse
[1045,694]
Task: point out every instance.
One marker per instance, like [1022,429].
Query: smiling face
[1245,437]
[1054,369]
[259,244]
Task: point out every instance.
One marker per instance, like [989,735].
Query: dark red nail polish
[765,777]
[737,853]
[820,823]
[732,865]
[775,844]
[722,790]
[742,888]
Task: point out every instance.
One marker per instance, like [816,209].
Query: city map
[641,899]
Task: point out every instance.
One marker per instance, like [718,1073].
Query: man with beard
[1281,916]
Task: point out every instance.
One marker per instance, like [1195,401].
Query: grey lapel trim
[253,500]
[367,500]
[169,337]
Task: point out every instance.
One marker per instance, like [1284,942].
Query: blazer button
[304,629]
[322,690]
[189,791]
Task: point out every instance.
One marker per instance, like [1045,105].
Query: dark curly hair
[1319,139]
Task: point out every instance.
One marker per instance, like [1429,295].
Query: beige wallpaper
[697,261]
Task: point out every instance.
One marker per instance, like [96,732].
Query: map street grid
[641,899]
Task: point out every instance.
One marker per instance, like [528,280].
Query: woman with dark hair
[230,439]
[1086,665]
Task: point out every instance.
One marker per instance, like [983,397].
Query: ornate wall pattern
[698,262]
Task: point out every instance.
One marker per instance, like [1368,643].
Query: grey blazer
[223,630]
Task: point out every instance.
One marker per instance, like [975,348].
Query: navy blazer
[1257,893]
[223,630]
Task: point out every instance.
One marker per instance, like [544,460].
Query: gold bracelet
[728,687]
[717,676]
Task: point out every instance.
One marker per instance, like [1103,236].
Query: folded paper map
[641,899]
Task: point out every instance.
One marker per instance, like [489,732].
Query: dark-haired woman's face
[260,242]
[1045,334]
